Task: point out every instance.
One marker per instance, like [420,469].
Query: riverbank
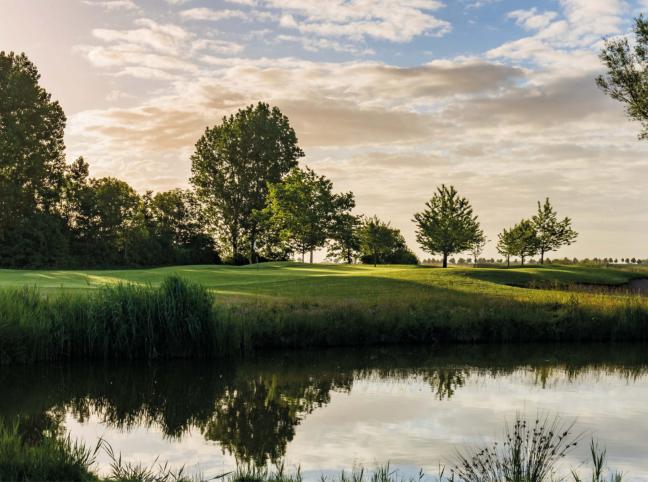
[355,306]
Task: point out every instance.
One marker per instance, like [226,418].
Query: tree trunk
[349,258]
[445,260]
[303,256]
[542,256]
[311,256]
[375,257]
[252,243]
[522,258]
[508,261]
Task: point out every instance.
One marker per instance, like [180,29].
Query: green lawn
[303,282]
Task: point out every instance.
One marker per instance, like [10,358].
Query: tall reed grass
[181,319]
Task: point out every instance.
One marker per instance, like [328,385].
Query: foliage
[235,161]
[551,233]
[31,145]
[626,79]
[379,243]
[447,225]
[303,209]
[477,246]
[520,240]
[529,453]
[344,242]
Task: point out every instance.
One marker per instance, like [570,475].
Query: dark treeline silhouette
[52,213]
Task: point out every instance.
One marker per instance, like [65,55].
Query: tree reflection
[251,409]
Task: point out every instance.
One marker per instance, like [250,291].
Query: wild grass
[174,320]
[530,452]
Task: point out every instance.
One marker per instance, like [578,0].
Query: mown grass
[326,282]
[530,452]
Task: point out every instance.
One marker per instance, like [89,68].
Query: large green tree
[32,158]
[626,79]
[304,208]
[447,225]
[551,232]
[235,161]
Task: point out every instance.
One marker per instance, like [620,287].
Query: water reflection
[252,409]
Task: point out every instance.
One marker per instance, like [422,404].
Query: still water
[326,411]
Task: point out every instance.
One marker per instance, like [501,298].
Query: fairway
[305,282]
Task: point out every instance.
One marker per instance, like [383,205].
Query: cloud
[164,38]
[217,46]
[209,14]
[531,19]
[393,20]
[113,4]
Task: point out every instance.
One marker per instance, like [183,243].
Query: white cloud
[113,4]
[211,15]
[217,46]
[531,19]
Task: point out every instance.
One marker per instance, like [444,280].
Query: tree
[344,242]
[304,208]
[235,161]
[32,157]
[525,240]
[447,225]
[377,239]
[551,233]
[626,79]
[477,247]
[506,245]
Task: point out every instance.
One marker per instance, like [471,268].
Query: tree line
[250,201]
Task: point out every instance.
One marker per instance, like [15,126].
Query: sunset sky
[389,98]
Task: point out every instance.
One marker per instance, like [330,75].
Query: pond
[330,410]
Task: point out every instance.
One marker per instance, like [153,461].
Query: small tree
[526,240]
[520,240]
[506,245]
[551,232]
[377,239]
[626,79]
[447,225]
[477,247]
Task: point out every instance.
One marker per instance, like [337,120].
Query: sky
[389,99]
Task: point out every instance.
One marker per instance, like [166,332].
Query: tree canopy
[447,225]
[626,79]
[233,164]
[304,209]
[551,232]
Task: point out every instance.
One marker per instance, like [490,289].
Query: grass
[530,452]
[225,311]
[325,282]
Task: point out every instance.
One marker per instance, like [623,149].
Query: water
[327,411]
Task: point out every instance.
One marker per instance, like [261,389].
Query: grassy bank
[530,451]
[236,310]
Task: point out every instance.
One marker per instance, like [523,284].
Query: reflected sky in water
[328,411]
